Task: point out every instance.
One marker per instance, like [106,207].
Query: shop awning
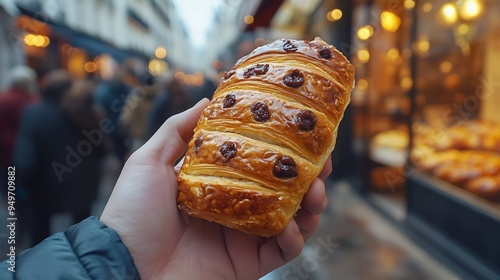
[92,45]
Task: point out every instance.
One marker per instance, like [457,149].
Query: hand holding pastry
[266,135]
[256,163]
[143,210]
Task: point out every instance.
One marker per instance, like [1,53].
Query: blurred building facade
[47,31]
[10,55]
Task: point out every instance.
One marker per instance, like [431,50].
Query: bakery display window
[382,51]
[427,121]
[456,123]
[453,187]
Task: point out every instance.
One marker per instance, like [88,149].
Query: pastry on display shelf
[457,174]
[390,147]
[487,187]
[461,168]
[471,135]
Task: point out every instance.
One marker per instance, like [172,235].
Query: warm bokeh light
[393,54]
[463,29]
[28,39]
[423,45]
[105,66]
[363,55]
[195,79]
[179,75]
[334,15]
[40,41]
[365,32]
[390,21]
[409,4]
[406,83]
[248,19]
[451,81]
[259,42]
[427,7]
[362,84]
[445,66]
[76,62]
[90,67]
[449,13]
[46,41]
[153,65]
[160,52]
[469,9]
[99,62]
[157,66]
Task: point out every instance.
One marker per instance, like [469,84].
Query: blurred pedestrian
[57,152]
[172,100]
[207,89]
[111,96]
[86,121]
[134,117]
[21,92]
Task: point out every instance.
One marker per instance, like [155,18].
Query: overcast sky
[197,16]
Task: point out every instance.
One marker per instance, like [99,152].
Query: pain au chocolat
[266,135]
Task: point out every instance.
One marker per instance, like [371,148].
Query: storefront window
[428,81]
[456,128]
[382,56]
[446,69]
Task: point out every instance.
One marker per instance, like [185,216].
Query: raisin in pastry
[265,136]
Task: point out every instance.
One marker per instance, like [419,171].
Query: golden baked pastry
[470,135]
[266,135]
[487,187]
[458,174]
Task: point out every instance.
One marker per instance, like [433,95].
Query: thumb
[171,139]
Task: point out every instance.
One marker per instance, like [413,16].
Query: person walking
[56,155]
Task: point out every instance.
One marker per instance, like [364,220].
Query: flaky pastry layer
[266,135]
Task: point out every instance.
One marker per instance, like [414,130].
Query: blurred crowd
[59,131]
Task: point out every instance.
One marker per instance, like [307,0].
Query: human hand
[165,243]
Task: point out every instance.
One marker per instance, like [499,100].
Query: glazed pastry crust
[265,136]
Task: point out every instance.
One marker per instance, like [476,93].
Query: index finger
[172,138]
[327,169]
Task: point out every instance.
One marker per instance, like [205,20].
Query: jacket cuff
[87,250]
[101,251]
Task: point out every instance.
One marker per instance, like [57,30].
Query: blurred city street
[354,242]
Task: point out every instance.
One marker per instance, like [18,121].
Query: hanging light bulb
[469,9]
[160,52]
[248,19]
[409,4]
[449,13]
[334,15]
[390,21]
[363,55]
[365,32]
[427,7]
[445,66]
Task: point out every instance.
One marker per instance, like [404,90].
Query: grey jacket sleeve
[87,250]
